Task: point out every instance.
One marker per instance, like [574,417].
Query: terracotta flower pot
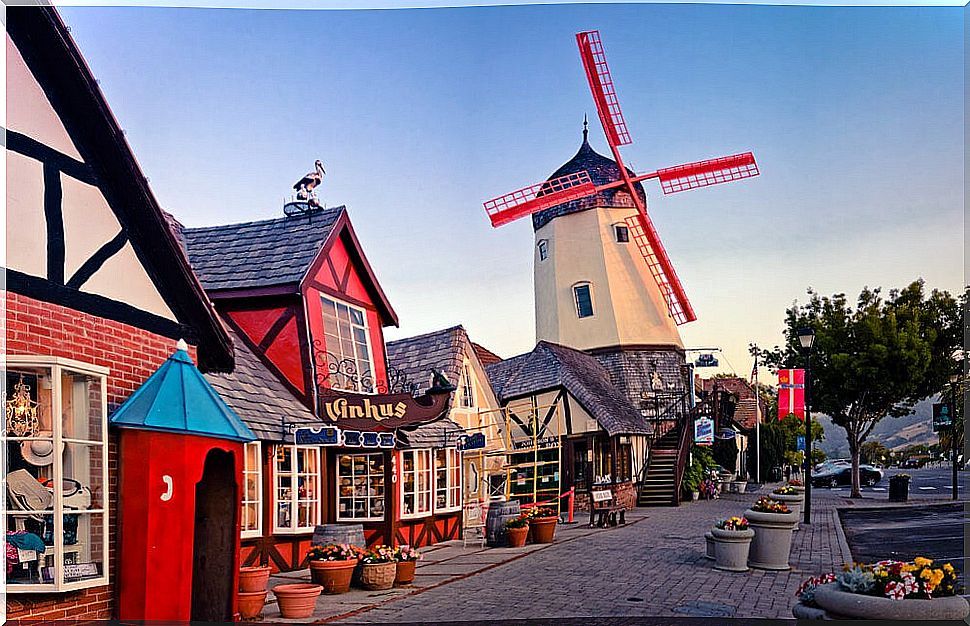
[378,576]
[297,600]
[517,536]
[842,604]
[731,549]
[405,572]
[772,539]
[333,576]
[251,604]
[252,579]
[543,529]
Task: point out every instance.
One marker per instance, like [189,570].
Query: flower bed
[765,504]
[732,523]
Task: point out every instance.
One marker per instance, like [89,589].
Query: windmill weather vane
[575,186]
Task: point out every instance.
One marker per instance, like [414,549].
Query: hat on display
[26,494]
[39,452]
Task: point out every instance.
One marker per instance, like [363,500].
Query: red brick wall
[132,354]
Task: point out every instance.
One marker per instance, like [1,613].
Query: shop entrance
[215,542]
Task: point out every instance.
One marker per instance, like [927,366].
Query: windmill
[550,193]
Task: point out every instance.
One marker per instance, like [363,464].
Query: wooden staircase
[659,485]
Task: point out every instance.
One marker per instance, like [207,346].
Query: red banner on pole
[791,393]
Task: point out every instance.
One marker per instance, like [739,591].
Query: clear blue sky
[854,114]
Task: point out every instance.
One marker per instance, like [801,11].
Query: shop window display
[416,483]
[253,490]
[297,488]
[447,464]
[56,475]
[360,486]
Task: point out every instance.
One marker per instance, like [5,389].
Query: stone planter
[517,536]
[253,579]
[709,540]
[740,486]
[378,576]
[405,573]
[543,529]
[731,549]
[772,539]
[333,576]
[803,611]
[298,600]
[840,605]
[793,502]
[251,604]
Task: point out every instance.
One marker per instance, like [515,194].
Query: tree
[875,359]
[726,453]
[772,449]
[873,452]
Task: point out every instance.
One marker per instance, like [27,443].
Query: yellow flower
[908,568]
[921,561]
[948,568]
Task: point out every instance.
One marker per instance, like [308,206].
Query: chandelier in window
[21,412]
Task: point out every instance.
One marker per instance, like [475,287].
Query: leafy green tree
[876,358]
[874,452]
[772,449]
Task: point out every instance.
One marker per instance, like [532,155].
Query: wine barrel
[499,511]
[338,533]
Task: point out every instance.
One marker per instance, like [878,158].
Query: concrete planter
[709,551]
[731,549]
[839,604]
[804,611]
[772,539]
[793,502]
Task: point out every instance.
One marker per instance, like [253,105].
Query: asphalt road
[929,482]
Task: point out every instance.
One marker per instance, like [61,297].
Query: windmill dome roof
[602,170]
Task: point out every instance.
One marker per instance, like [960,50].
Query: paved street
[927,483]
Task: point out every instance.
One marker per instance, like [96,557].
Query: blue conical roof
[177,399]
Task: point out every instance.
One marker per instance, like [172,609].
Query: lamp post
[954,379]
[806,338]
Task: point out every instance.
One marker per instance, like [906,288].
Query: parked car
[836,475]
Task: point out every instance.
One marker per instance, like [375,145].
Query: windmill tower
[603,280]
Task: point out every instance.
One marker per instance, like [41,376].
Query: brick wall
[132,354]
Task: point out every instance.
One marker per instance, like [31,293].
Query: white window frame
[453,489]
[368,475]
[592,301]
[294,474]
[418,492]
[337,351]
[543,249]
[256,473]
[616,232]
[466,398]
[57,365]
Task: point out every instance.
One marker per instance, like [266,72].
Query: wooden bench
[603,509]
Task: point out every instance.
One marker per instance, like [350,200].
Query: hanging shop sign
[333,436]
[726,433]
[791,393]
[704,431]
[942,416]
[471,442]
[382,412]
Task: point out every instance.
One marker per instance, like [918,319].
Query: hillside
[894,433]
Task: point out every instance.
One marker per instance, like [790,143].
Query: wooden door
[214,542]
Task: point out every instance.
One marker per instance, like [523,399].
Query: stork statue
[305,186]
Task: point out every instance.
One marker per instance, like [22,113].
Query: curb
[841,538]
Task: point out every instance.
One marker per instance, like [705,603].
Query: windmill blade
[601,84]
[533,198]
[646,238]
[709,172]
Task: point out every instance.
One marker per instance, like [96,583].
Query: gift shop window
[297,488]
[252,512]
[55,427]
[360,486]
[348,346]
[447,467]
[415,483]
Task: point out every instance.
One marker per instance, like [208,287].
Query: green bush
[772,449]
[725,453]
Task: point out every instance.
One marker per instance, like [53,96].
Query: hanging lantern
[21,412]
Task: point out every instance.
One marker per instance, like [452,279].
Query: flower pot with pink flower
[379,568]
[332,566]
[407,560]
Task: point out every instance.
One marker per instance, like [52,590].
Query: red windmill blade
[540,196]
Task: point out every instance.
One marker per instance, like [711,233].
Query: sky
[855,116]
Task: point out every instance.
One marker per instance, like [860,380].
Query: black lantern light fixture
[806,338]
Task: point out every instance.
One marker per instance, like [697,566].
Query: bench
[604,509]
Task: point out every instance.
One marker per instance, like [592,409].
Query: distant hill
[893,432]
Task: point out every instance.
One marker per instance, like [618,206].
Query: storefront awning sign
[383,412]
[471,442]
[333,436]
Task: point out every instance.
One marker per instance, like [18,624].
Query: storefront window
[347,339]
[416,483]
[360,485]
[56,474]
[253,490]
[297,488]
[447,467]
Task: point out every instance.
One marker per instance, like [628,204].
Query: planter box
[731,549]
[772,539]
[841,605]
[794,502]
[709,551]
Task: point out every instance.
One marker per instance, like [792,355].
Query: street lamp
[806,337]
[954,379]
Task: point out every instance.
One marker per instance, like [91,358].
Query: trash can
[776,474]
[899,488]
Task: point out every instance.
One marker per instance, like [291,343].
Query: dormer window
[621,232]
[543,246]
[348,345]
[583,295]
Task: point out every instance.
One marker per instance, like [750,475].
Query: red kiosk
[181,456]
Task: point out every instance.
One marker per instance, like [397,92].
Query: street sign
[471,442]
[800,443]
[942,416]
[706,360]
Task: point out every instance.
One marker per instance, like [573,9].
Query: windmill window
[622,233]
[543,246]
[584,300]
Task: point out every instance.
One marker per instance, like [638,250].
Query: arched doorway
[214,542]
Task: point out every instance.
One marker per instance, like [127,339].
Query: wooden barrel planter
[339,533]
[499,512]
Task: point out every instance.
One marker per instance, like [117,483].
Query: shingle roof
[442,433]
[551,365]
[745,412]
[486,356]
[258,397]
[258,254]
[440,350]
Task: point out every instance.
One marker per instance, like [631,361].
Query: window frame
[383,475]
[57,365]
[616,232]
[430,491]
[467,388]
[294,499]
[453,463]
[339,353]
[576,304]
[543,247]
[258,473]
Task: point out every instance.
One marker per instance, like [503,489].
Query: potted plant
[542,524]
[379,568]
[710,488]
[732,540]
[709,547]
[253,578]
[407,560]
[517,529]
[792,497]
[691,481]
[297,600]
[773,523]
[888,590]
[797,484]
[332,566]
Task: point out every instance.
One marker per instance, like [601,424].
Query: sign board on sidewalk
[602,495]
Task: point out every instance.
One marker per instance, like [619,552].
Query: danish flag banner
[791,393]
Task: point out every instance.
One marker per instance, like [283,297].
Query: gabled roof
[745,412]
[55,61]
[442,433]
[258,397]
[441,350]
[550,366]
[486,356]
[177,399]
